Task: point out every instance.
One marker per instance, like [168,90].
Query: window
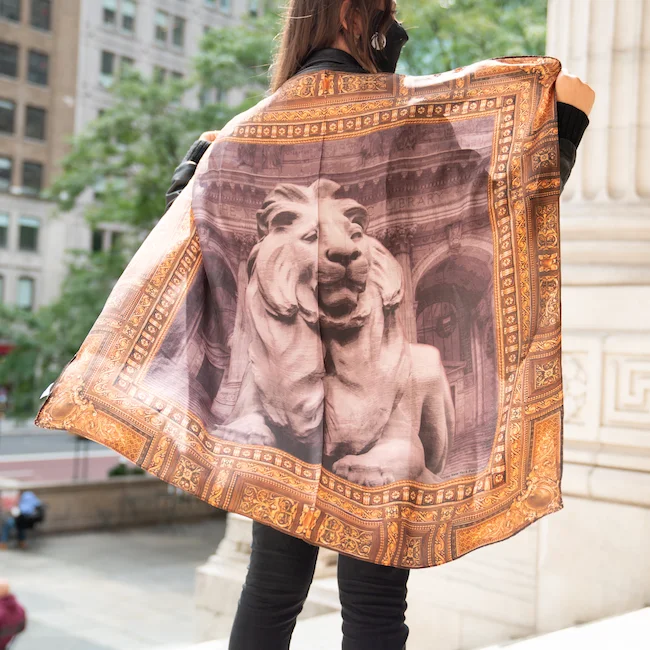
[225,6]
[42,14]
[98,241]
[211,96]
[9,59]
[7,116]
[25,294]
[162,26]
[6,167]
[28,233]
[4,229]
[109,12]
[116,241]
[37,67]
[107,69]
[32,178]
[128,15]
[177,76]
[10,9]
[254,8]
[159,74]
[35,123]
[126,64]
[178,34]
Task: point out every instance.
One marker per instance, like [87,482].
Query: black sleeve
[184,172]
[572,124]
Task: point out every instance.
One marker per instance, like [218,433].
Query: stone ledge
[319,633]
[115,503]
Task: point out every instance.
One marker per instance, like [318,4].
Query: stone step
[318,633]
[626,632]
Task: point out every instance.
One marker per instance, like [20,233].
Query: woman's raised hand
[210,136]
[572,90]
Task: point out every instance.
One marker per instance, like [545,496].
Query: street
[56,456]
[41,443]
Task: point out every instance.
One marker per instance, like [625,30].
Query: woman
[343,35]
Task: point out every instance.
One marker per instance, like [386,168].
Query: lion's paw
[248,430]
[358,470]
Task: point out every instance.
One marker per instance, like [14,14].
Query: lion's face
[344,256]
[314,257]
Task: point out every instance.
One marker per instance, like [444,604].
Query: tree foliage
[125,158]
[448,34]
[47,339]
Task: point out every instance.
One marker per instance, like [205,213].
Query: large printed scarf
[347,326]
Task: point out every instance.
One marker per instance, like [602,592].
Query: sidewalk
[126,590]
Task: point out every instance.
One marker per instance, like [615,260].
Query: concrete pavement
[127,590]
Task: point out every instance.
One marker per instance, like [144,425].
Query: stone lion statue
[331,375]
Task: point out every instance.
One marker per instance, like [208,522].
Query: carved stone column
[605,226]
[241,337]
[219,582]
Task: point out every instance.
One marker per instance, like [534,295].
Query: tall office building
[38,86]
[58,61]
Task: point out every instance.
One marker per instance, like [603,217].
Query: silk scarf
[347,326]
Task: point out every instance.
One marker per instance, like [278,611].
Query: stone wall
[119,502]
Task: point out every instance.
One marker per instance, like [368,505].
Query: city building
[38,63]
[58,60]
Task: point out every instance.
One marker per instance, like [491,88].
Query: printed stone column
[241,337]
[399,241]
[225,399]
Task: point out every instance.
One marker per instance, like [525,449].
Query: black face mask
[386,50]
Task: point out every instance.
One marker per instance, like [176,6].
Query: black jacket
[572,123]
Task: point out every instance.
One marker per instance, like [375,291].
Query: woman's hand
[210,136]
[572,90]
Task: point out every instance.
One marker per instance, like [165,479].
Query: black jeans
[281,569]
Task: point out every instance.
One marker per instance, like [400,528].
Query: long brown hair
[310,25]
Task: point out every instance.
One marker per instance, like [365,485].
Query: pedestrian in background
[12,616]
[22,518]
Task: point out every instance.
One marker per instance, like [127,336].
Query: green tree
[448,34]
[47,339]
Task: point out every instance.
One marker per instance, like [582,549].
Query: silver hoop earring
[378,41]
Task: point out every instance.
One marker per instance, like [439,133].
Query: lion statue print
[331,377]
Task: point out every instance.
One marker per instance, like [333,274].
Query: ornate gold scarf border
[404,524]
